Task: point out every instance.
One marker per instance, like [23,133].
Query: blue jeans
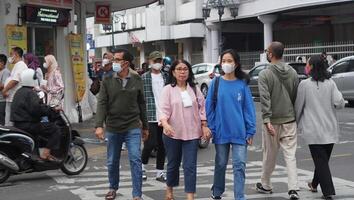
[239,156]
[175,149]
[132,138]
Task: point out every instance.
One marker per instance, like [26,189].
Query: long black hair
[173,81]
[319,70]
[239,73]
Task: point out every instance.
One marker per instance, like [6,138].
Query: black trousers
[47,130]
[154,141]
[321,154]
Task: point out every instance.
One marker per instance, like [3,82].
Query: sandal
[312,189]
[111,195]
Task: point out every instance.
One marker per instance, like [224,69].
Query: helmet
[29,78]
[167,61]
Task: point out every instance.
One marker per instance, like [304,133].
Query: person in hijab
[54,86]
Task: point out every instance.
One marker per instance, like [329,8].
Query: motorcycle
[19,150]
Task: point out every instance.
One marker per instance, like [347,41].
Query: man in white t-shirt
[4,74]
[154,81]
[12,84]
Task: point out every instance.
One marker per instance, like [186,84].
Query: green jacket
[278,88]
[121,108]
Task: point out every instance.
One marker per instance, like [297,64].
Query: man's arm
[265,97]
[9,86]
[142,106]
[102,101]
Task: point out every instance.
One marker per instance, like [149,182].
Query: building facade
[178,29]
[44,27]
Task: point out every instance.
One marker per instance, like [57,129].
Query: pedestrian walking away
[154,81]
[121,110]
[318,123]
[278,83]
[182,115]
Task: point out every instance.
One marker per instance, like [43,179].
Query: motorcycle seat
[11,129]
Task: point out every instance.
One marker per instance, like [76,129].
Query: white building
[51,38]
[177,28]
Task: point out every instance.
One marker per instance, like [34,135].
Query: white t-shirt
[16,76]
[4,75]
[157,86]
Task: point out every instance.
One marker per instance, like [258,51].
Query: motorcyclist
[27,111]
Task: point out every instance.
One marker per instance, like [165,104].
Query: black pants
[154,141]
[47,130]
[321,154]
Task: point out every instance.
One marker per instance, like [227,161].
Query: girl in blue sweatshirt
[232,120]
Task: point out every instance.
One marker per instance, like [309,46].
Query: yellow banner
[77,63]
[16,37]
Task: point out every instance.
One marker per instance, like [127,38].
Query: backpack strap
[216,88]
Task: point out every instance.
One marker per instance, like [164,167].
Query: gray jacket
[315,111]
[277,88]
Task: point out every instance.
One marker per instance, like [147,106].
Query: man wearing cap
[154,81]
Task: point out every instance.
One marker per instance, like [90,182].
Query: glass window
[195,69]
[257,70]
[202,69]
[341,67]
[351,66]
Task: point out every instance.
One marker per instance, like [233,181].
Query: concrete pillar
[214,45]
[207,46]
[187,50]
[142,55]
[267,21]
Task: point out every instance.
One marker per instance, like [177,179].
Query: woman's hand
[206,133]
[168,129]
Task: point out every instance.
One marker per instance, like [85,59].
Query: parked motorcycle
[19,150]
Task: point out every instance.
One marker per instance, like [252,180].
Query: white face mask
[228,68]
[45,65]
[10,59]
[117,67]
[105,62]
[156,66]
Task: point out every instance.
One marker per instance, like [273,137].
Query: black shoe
[293,195]
[261,189]
[215,197]
[328,197]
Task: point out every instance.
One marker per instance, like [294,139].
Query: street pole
[112,32]
[220,36]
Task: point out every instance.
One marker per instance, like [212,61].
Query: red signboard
[102,14]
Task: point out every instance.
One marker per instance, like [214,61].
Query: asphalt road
[92,183]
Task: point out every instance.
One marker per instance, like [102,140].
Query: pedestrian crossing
[92,184]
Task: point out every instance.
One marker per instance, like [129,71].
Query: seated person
[27,110]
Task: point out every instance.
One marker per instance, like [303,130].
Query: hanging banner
[16,37]
[103,14]
[78,65]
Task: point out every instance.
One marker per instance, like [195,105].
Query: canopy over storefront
[116,5]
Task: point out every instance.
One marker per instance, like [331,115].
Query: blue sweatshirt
[234,117]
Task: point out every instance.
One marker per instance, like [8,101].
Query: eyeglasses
[181,69]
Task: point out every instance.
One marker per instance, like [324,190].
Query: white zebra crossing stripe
[93,184]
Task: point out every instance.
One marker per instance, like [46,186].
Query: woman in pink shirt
[182,115]
[55,86]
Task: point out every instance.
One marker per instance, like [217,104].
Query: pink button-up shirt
[186,122]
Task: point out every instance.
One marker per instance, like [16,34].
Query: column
[214,45]
[207,46]
[187,50]
[142,55]
[267,21]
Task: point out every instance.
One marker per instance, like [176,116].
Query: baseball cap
[155,55]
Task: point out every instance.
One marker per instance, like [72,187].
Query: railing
[248,59]
[341,49]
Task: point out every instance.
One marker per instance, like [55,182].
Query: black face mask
[268,59]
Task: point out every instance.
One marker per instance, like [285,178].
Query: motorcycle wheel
[76,161]
[4,173]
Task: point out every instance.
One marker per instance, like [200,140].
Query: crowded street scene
[176,99]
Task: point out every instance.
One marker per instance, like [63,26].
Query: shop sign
[77,64]
[16,37]
[102,14]
[53,3]
[46,15]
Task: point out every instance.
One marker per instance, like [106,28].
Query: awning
[116,5]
